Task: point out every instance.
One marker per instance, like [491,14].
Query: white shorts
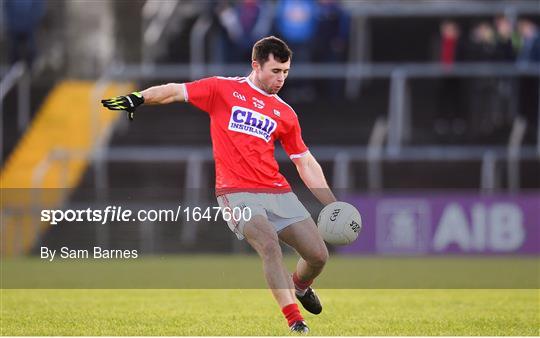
[281,210]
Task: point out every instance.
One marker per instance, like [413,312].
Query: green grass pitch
[252,311]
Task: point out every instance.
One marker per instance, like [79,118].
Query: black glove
[127,103]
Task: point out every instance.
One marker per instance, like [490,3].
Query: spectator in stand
[482,92]
[296,23]
[217,37]
[246,22]
[332,32]
[450,111]
[505,40]
[482,43]
[530,41]
[22,20]
[529,53]
[450,48]
[505,51]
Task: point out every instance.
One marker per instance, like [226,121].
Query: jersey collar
[252,85]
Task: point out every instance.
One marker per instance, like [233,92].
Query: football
[339,223]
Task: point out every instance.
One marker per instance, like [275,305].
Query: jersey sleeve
[201,93]
[292,141]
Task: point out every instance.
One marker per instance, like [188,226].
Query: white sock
[300,292]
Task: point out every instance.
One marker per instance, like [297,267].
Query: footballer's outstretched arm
[163,94]
[313,177]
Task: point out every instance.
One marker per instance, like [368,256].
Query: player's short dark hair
[270,45]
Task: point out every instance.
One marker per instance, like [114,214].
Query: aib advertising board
[447,224]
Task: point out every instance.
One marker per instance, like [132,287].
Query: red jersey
[245,122]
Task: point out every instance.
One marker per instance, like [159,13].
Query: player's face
[271,76]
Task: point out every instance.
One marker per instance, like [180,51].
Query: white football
[339,223]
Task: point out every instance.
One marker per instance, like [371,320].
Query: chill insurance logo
[253,123]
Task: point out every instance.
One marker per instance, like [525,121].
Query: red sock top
[292,314]
[301,285]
